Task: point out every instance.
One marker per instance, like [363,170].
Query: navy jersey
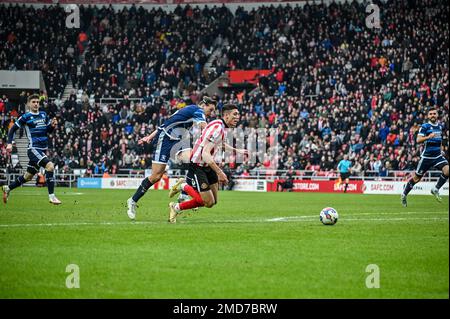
[183,119]
[432,148]
[36,126]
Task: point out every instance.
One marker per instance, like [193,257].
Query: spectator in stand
[343,90]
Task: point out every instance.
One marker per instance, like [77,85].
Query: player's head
[230,115]
[33,102]
[208,105]
[432,114]
[346,157]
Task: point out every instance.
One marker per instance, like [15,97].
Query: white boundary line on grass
[288,218]
[28,193]
[278,219]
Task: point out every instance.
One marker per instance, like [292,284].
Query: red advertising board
[247,76]
[320,186]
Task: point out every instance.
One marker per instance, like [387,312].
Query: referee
[344,171]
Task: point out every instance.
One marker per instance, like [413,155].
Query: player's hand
[9,148]
[54,122]
[431,135]
[222,178]
[145,139]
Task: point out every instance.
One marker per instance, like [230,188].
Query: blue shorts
[37,159]
[165,148]
[426,163]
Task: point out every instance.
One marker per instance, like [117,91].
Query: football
[329,216]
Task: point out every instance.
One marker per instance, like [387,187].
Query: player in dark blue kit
[168,141]
[431,134]
[36,125]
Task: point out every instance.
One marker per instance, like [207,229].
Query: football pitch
[251,245]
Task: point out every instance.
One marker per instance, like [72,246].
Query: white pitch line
[287,218]
[59,195]
[281,219]
[397,219]
[75,224]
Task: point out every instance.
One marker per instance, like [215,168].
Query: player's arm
[423,138]
[11,134]
[238,150]
[422,135]
[208,158]
[148,138]
[199,119]
[12,131]
[201,125]
[51,125]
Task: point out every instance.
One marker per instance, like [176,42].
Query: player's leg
[184,196]
[45,163]
[158,170]
[179,188]
[443,165]
[50,180]
[422,168]
[183,158]
[409,186]
[32,169]
[213,182]
[201,193]
[215,191]
[205,198]
[160,158]
[28,176]
[347,180]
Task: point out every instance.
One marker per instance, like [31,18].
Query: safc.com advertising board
[320,186]
[120,183]
[359,187]
[381,187]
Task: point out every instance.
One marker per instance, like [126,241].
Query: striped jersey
[182,120]
[214,133]
[36,126]
[432,147]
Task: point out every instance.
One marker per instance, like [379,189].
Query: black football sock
[143,188]
[49,178]
[441,181]
[409,186]
[19,181]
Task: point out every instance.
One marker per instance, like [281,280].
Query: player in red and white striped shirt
[214,132]
[204,175]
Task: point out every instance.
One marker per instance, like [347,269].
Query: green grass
[233,250]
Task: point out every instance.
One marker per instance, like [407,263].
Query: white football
[329,216]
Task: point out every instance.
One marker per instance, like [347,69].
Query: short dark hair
[33,97]
[208,100]
[431,108]
[228,108]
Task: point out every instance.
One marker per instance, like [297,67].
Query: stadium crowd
[337,86]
